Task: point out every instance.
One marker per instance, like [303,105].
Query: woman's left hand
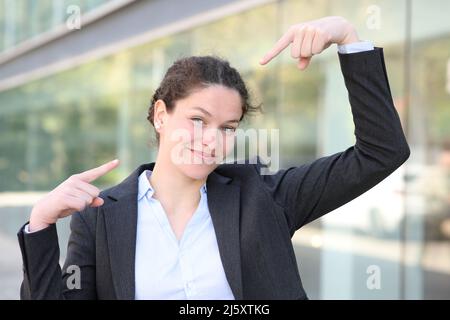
[313,37]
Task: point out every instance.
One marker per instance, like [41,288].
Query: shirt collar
[145,186]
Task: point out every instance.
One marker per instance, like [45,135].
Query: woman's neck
[177,192]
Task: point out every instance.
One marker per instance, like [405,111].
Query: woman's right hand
[72,195]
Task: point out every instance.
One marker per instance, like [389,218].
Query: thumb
[97,202]
[303,63]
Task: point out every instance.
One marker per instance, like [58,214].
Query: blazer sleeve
[309,191]
[42,274]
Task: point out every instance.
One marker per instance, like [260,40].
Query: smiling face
[200,130]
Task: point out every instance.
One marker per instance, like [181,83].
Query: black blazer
[254,215]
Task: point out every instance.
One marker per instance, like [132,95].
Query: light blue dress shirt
[355,47]
[166,268]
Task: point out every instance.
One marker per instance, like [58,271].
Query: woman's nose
[211,138]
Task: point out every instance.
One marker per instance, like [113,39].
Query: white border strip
[185,24]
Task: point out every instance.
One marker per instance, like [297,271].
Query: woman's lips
[202,154]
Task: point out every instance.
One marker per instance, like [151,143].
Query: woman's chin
[197,171]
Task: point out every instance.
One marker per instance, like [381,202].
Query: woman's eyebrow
[210,115]
[203,110]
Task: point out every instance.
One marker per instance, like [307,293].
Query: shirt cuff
[355,47]
[26,228]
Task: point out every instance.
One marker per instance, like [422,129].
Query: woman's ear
[159,114]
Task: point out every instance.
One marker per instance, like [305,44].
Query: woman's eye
[229,130]
[197,120]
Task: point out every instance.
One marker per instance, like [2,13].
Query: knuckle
[73,178]
[298,30]
[69,184]
[87,198]
[77,204]
[65,189]
[80,205]
[304,51]
[293,53]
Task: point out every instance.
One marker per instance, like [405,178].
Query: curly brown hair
[187,74]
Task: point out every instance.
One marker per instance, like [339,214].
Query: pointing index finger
[281,44]
[92,174]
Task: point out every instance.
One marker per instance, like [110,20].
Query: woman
[199,230]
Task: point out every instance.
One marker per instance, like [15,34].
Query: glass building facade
[393,242]
[22,20]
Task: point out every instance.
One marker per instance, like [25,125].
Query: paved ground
[10,268]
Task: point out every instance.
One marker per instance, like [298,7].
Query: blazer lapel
[121,225]
[223,203]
